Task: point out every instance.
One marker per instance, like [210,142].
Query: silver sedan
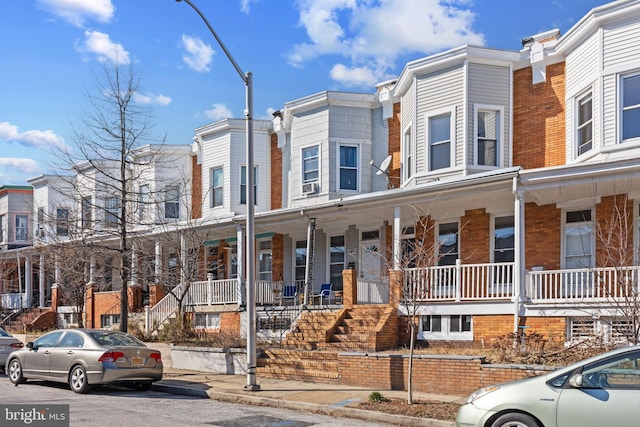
[8,344]
[85,357]
[599,391]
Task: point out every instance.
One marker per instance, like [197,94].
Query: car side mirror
[576,381]
[30,345]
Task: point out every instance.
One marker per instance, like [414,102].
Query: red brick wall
[196,188]
[614,233]
[276,173]
[539,118]
[277,250]
[474,237]
[487,329]
[542,236]
[394,146]
[230,323]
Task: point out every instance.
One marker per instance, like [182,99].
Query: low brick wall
[457,375]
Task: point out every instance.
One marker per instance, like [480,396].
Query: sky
[54,52]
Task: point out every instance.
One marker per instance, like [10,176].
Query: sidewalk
[329,399]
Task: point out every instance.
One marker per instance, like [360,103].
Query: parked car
[85,357]
[8,344]
[599,391]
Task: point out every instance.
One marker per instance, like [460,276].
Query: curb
[303,406]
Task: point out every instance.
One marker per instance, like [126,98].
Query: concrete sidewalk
[330,399]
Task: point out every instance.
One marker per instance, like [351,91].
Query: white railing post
[209,288]
[147,320]
[458,279]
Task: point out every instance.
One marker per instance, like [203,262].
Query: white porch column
[158,262]
[28,281]
[519,261]
[397,238]
[183,258]
[241,273]
[92,269]
[134,263]
[41,283]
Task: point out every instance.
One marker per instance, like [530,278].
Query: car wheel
[15,372]
[142,386]
[515,420]
[78,381]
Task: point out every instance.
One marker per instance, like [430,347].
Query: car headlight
[481,392]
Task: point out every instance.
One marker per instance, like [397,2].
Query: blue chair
[326,289]
[289,293]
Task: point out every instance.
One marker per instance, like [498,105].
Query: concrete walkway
[330,399]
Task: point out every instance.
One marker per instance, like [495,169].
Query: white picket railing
[372,292]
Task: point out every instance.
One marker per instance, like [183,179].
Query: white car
[597,392]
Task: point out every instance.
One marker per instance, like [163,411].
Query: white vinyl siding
[620,44]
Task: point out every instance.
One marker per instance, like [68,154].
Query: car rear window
[107,338]
[4,333]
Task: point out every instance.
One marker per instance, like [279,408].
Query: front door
[370,261]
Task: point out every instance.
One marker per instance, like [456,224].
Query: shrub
[376,397]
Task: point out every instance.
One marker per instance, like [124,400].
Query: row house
[501,187]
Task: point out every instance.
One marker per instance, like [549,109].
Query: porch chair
[289,293]
[326,289]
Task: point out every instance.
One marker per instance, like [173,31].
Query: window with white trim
[301,259]
[487,136]
[452,327]
[22,227]
[3,232]
[172,202]
[86,209]
[584,124]
[448,243]
[440,141]
[216,183]
[112,211]
[265,259]
[40,225]
[407,154]
[62,221]
[243,185]
[336,261]
[578,239]
[630,107]
[206,320]
[348,175]
[310,164]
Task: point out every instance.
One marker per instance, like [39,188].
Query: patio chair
[289,293]
[326,289]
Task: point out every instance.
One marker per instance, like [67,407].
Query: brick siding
[474,237]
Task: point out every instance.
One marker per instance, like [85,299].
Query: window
[460,323]
[108,320]
[503,239]
[86,212]
[47,341]
[172,202]
[243,185]
[72,339]
[336,261]
[301,259]
[233,262]
[143,203]
[617,372]
[62,222]
[348,167]
[112,211]
[448,243]
[439,142]
[407,154]
[310,164]
[216,183]
[206,321]
[409,247]
[584,130]
[631,107]
[22,227]
[431,323]
[265,258]
[40,230]
[487,137]
[2,227]
[578,239]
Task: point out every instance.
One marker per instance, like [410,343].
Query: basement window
[456,327]
[206,321]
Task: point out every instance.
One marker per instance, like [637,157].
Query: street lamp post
[247,78]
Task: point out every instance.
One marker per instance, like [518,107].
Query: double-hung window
[310,164]
[584,124]
[336,261]
[301,260]
[243,185]
[172,202]
[488,132]
[216,184]
[86,212]
[40,229]
[407,148]
[3,233]
[349,167]
[62,222]
[448,243]
[143,202]
[578,239]
[22,227]
[439,139]
[631,107]
[265,259]
[112,211]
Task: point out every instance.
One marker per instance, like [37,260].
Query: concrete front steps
[301,365]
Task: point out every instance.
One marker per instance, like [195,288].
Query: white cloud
[198,55]
[218,112]
[100,44]
[151,99]
[13,169]
[245,5]
[42,139]
[77,12]
[373,34]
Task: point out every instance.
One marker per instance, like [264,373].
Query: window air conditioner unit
[309,188]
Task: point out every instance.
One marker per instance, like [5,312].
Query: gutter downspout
[519,261]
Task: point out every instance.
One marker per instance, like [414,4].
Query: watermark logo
[34,415]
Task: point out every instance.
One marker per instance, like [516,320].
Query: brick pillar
[349,288]
[89,306]
[395,287]
[55,296]
[134,292]
[156,293]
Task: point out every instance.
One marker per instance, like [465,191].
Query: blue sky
[53,51]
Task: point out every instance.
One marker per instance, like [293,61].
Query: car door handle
[70,352]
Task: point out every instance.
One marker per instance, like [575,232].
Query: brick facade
[196,188]
[394,146]
[276,173]
[614,232]
[543,234]
[475,226]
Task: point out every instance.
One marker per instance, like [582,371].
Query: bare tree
[104,158]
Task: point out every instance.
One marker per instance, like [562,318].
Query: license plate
[137,361]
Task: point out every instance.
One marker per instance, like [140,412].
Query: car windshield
[4,333]
[109,338]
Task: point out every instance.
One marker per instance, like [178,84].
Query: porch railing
[604,283]
[209,292]
[460,282]
[372,292]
